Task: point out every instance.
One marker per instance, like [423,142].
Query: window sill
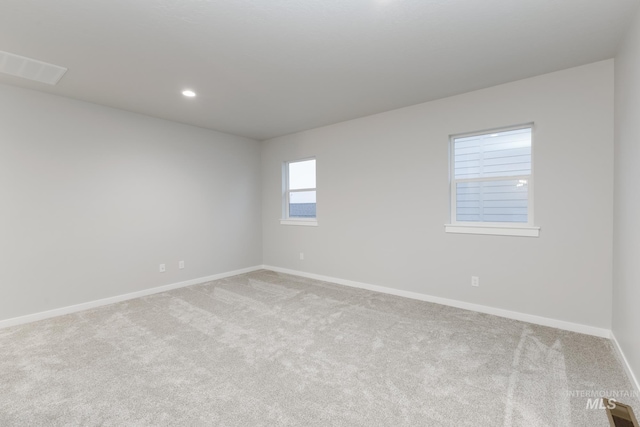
[305,222]
[495,230]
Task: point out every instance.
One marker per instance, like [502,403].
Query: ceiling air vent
[31,69]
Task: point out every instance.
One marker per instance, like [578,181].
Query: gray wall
[383,199]
[626,283]
[93,199]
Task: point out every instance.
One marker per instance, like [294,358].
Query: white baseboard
[538,320]
[625,363]
[118,298]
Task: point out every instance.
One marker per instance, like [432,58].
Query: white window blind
[492,177]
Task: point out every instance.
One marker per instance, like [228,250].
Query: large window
[300,192]
[491,182]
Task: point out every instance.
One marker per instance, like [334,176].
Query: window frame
[286,219]
[493,228]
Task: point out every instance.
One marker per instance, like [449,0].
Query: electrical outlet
[301,255]
[475,281]
[163,268]
[180,265]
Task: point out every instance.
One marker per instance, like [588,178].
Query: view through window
[301,189]
[492,177]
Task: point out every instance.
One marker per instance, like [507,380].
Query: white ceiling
[264,68]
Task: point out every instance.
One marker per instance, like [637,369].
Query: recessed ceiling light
[188,93]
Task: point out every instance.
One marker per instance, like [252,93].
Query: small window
[492,181]
[300,192]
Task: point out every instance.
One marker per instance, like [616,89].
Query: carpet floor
[268,349]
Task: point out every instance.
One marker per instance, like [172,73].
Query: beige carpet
[267,349]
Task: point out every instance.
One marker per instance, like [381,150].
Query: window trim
[495,230]
[527,229]
[286,219]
